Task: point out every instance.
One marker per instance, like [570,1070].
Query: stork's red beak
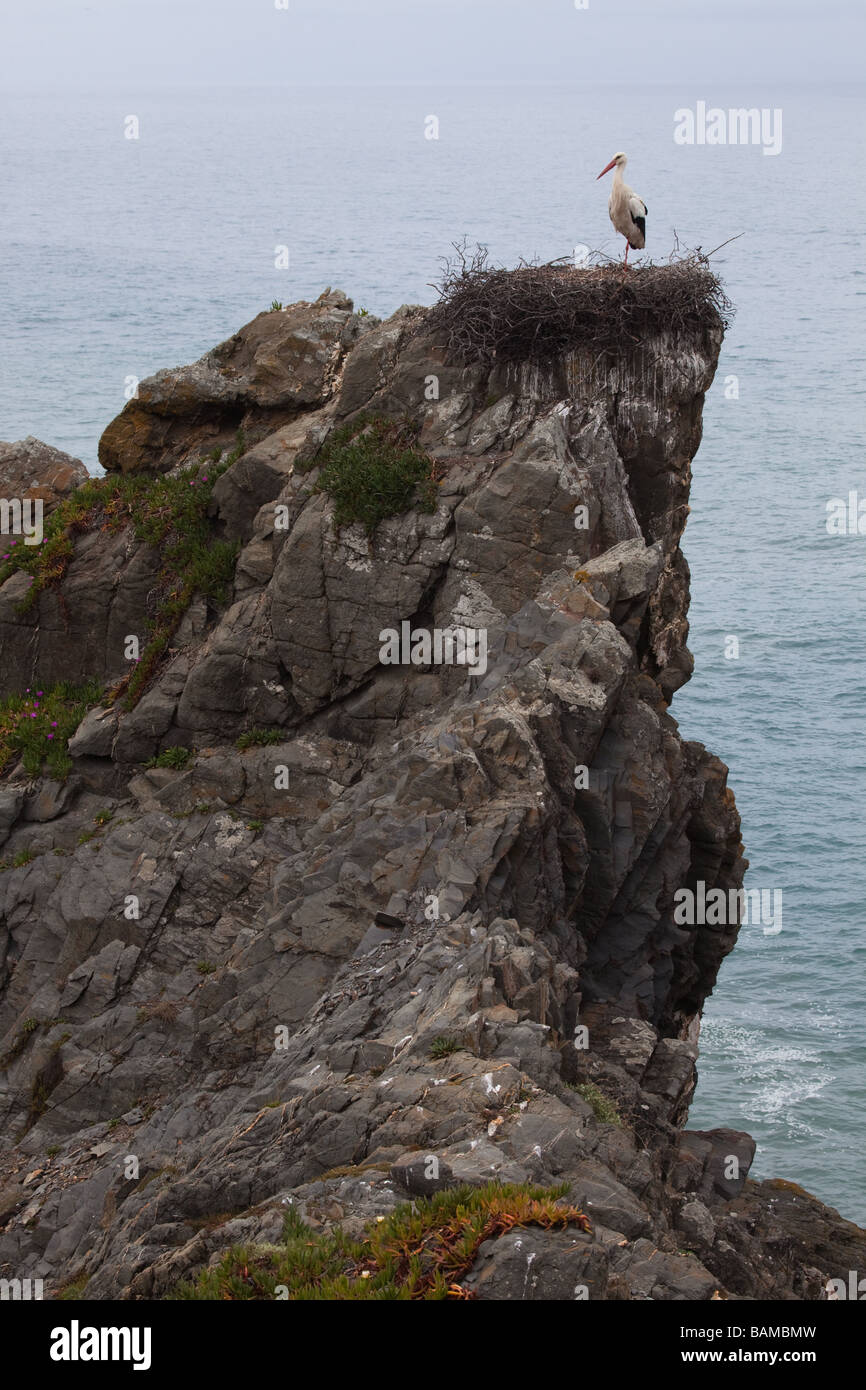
[606,170]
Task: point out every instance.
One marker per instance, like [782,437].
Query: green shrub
[443,1047]
[374,469]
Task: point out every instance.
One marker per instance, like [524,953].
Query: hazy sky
[137,43]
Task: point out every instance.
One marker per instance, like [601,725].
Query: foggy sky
[118,44]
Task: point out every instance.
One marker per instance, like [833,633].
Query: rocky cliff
[291,926]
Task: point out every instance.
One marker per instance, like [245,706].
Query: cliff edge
[342,815]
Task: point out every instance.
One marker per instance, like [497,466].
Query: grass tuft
[256,738]
[171,757]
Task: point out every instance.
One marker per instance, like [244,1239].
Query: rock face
[32,469]
[279,365]
[238,979]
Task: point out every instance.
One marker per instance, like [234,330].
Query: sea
[139,229]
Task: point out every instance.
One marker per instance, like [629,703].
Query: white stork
[627,210]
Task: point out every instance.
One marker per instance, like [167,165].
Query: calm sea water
[122,256]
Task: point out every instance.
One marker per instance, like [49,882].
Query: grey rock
[50,799]
[11,801]
[696,1224]
[529,1266]
[422,1174]
[95,735]
[597,1192]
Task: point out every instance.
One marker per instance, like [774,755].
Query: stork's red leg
[626,252]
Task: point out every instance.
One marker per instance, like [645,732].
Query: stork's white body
[627,211]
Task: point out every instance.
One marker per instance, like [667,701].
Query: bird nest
[537,313]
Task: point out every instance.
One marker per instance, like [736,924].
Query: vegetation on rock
[171,757]
[603,1108]
[374,469]
[168,512]
[258,738]
[419,1251]
[38,725]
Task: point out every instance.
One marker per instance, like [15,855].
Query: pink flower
[50,735]
[53,725]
